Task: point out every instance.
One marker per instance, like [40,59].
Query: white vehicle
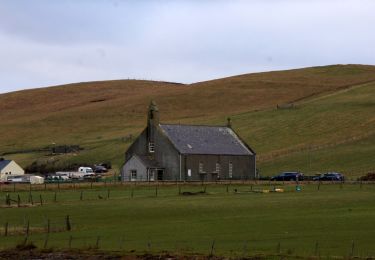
[16,179]
[80,174]
[36,179]
[86,170]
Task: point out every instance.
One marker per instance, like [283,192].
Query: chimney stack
[229,122]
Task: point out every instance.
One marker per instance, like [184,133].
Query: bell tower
[152,123]
[153,114]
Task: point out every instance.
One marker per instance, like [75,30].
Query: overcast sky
[48,42]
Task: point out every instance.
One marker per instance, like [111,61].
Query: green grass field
[328,221]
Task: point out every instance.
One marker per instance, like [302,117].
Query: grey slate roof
[148,162]
[4,163]
[190,139]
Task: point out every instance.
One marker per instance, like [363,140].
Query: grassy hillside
[332,123]
[334,132]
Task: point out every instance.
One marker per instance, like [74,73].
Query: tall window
[201,170]
[230,170]
[151,147]
[217,168]
[133,175]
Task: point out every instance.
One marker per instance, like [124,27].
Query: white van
[86,170]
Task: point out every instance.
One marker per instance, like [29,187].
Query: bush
[46,167]
[368,177]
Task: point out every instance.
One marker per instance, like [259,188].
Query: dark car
[100,169]
[288,176]
[330,176]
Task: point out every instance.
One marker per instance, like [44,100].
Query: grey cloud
[55,42]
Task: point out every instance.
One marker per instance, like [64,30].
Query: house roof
[4,163]
[148,161]
[191,139]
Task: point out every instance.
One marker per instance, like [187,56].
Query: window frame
[132,172]
[217,167]
[230,170]
[201,167]
[151,147]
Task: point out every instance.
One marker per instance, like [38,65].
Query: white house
[9,168]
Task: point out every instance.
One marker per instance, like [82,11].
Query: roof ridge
[174,124]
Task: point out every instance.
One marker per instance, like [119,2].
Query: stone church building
[187,152]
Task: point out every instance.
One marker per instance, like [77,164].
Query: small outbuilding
[9,168]
[187,152]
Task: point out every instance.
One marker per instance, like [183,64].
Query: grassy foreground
[329,220]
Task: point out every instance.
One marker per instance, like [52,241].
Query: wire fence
[18,187]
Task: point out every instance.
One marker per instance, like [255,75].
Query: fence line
[17,187]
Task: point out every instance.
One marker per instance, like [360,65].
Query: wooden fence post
[97,242]
[46,241]
[8,200]
[27,229]
[48,226]
[352,249]
[70,242]
[316,248]
[212,248]
[67,223]
[6,229]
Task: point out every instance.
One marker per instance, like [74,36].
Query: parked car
[330,176]
[288,176]
[100,169]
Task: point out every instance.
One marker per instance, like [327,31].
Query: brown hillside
[79,112]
